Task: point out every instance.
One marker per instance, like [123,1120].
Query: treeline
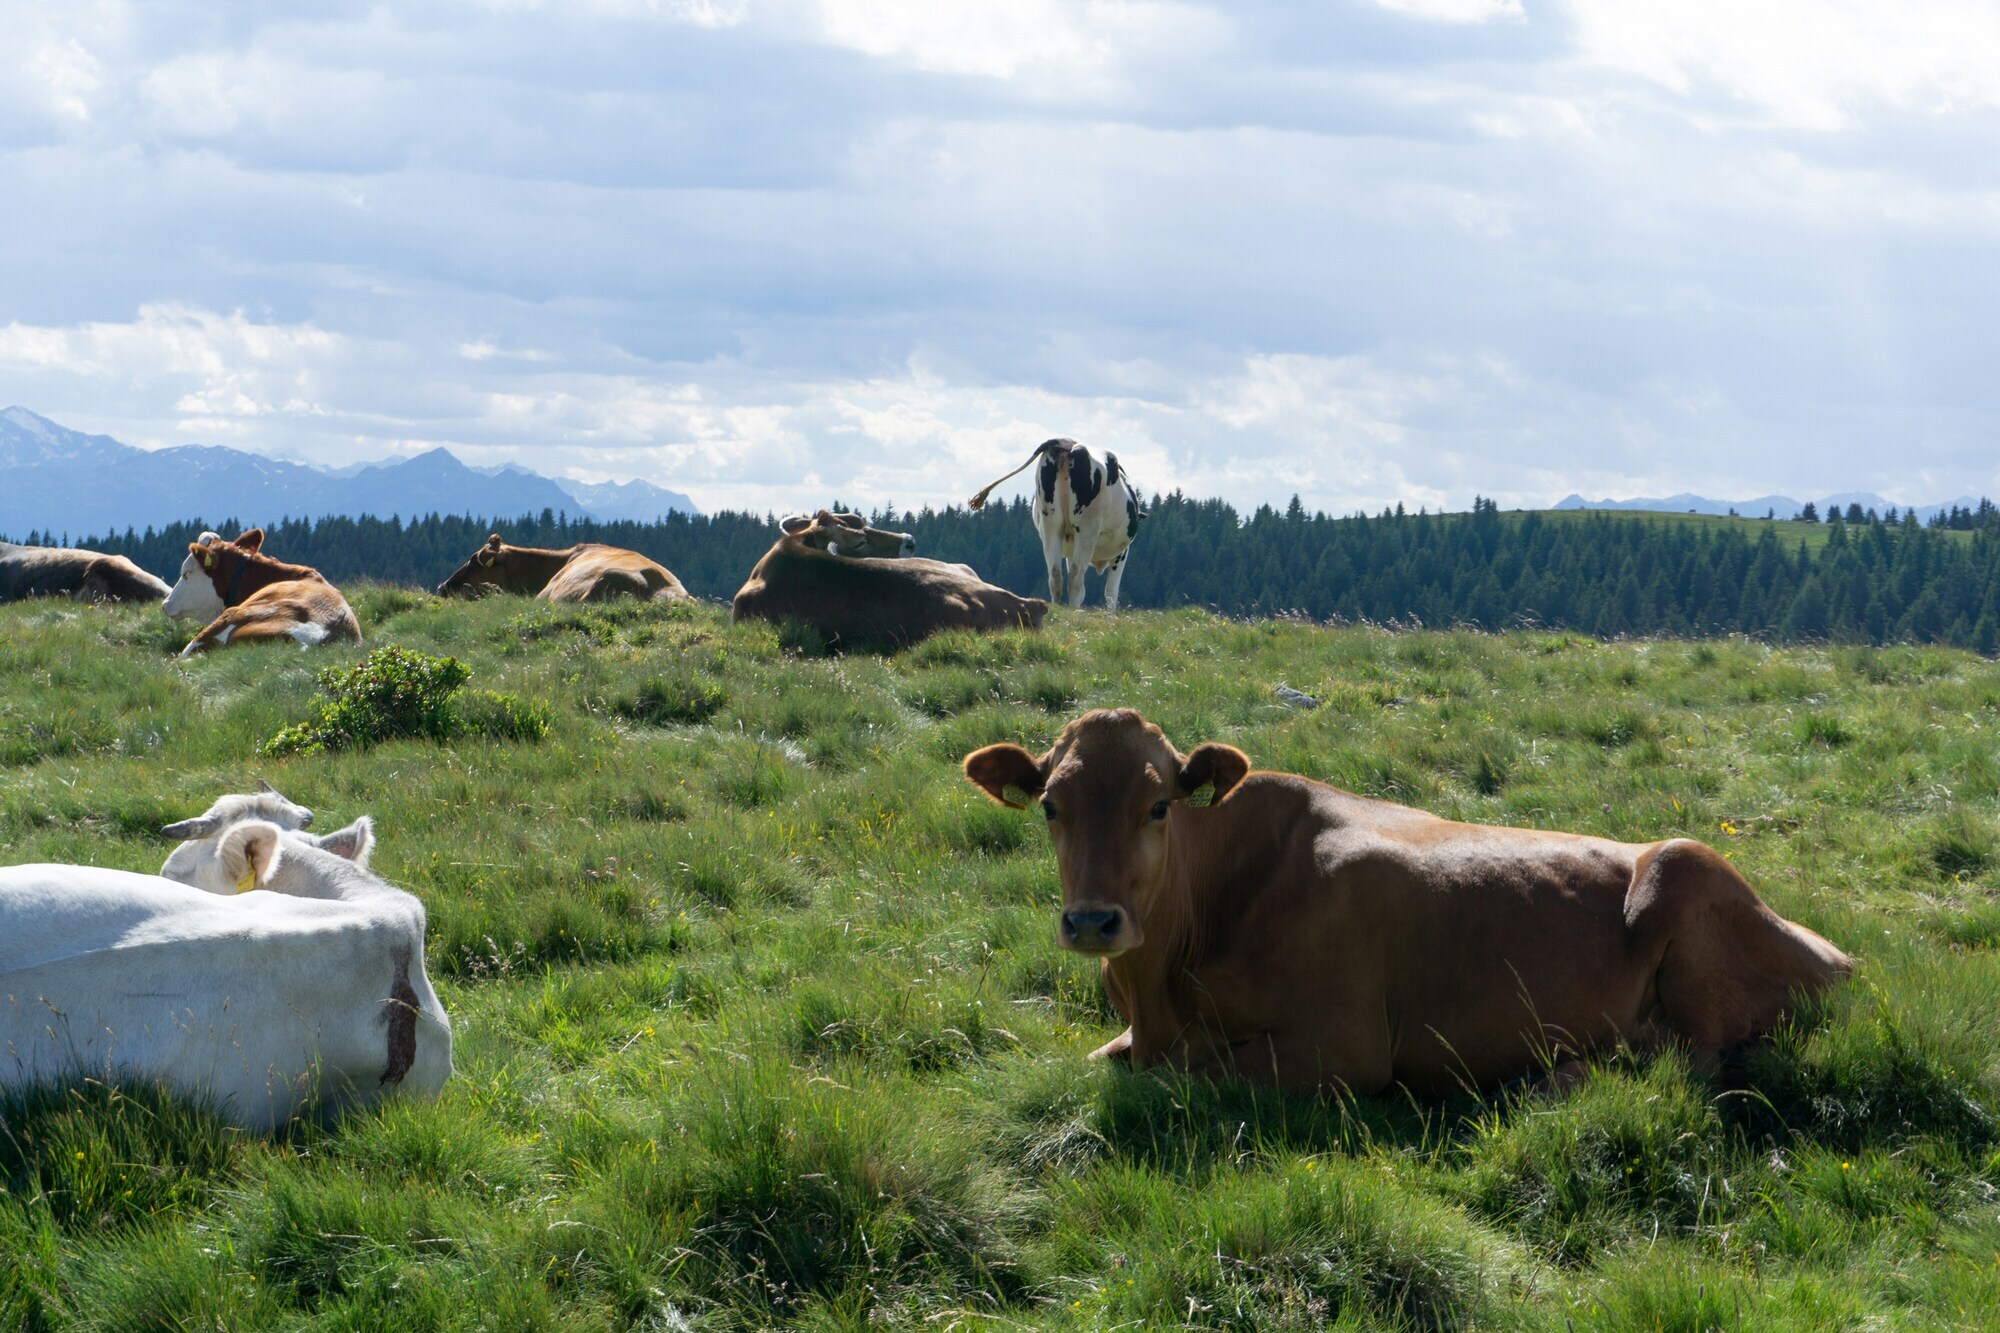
[1871,579]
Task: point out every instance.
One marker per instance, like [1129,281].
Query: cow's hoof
[1118,1048]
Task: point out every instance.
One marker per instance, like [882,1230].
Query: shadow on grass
[99,1157]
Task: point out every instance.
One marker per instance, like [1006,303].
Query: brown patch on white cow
[400,1018]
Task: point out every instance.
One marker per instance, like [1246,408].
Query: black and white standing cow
[1086,513]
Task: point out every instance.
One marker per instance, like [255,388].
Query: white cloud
[69,77]
[1815,64]
[1065,45]
[213,95]
[749,249]
[1455,11]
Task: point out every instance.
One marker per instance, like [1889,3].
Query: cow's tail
[979,501]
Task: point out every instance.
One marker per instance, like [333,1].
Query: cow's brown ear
[493,542]
[793,524]
[250,541]
[998,767]
[1213,765]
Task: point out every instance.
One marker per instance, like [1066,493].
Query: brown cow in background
[87,576]
[585,573]
[872,602]
[1297,935]
[253,598]
[848,535]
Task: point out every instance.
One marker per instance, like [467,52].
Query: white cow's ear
[189,829]
[355,842]
[249,855]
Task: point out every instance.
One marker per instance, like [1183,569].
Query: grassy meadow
[760,1020]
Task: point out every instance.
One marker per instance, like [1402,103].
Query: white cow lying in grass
[308,993]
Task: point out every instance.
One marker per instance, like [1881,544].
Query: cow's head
[193,862]
[209,562]
[849,535]
[483,573]
[246,855]
[1109,787]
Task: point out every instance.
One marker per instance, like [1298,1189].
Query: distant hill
[63,481]
[1784,506]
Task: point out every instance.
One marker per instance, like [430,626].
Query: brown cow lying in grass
[250,598]
[869,602]
[584,573]
[88,576]
[1297,935]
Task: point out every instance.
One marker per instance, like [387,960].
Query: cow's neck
[1209,870]
[308,872]
[528,569]
[236,579]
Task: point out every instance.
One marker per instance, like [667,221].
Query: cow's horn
[189,829]
[264,786]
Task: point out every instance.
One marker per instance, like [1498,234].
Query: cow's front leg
[1118,1048]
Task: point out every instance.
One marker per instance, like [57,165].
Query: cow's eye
[1159,810]
[1049,810]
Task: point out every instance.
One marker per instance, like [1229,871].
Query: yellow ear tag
[248,881]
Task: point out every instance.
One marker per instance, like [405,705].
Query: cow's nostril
[1090,927]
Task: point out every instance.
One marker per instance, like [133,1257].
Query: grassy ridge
[760,1020]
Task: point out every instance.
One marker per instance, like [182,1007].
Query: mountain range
[64,482]
[1781,506]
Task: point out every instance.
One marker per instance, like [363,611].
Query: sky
[775,254]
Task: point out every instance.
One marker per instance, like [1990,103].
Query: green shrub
[396,693]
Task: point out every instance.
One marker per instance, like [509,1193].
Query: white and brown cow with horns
[1086,513]
[247,597]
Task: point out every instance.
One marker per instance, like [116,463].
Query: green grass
[1789,533]
[761,1022]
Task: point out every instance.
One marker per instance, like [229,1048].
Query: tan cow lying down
[247,597]
[585,573]
[1298,935]
[867,602]
[88,576]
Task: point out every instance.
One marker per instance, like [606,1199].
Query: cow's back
[55,571]
[1460,940]
[890,602]
[265,1002]
[597,573]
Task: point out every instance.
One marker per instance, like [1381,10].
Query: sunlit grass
[760,1019]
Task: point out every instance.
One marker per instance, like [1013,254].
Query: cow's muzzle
[1096,930]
